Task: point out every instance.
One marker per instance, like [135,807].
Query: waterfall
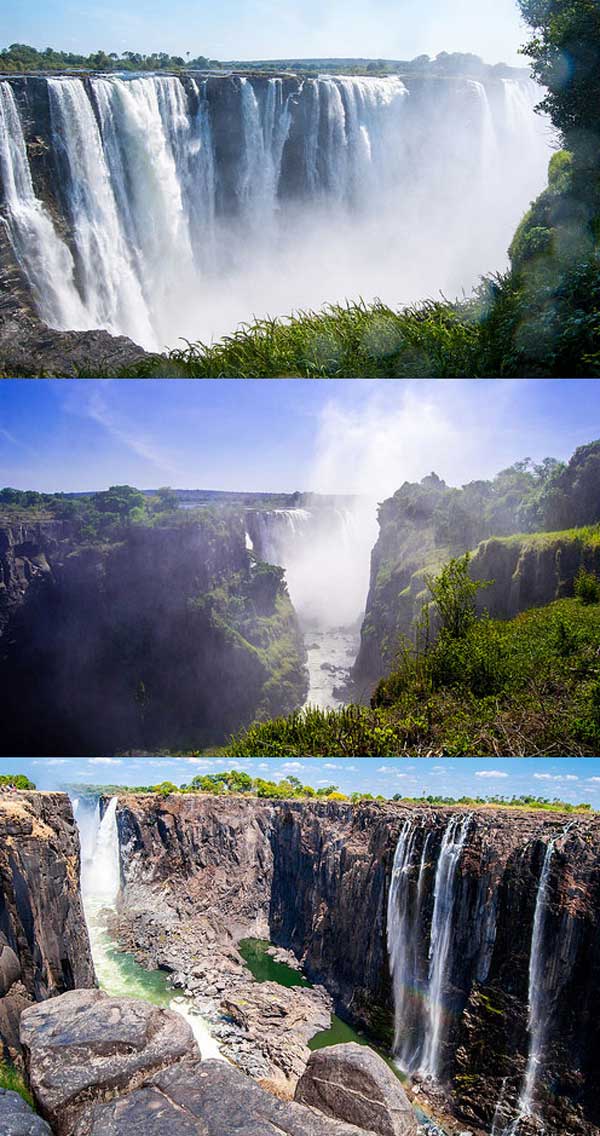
[182,205]
[419,981]
[442,927]
[537,1010]
[325,550]
[404,942]
[111,291]
[118,973]
[101,870]
[46,260]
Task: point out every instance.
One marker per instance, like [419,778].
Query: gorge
[161,207]
[462,940]
[173,619]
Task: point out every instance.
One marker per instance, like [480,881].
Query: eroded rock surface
[318,885]
[351,1082]
[44,944]
[206,1099]
[18,1119]
[85,1046]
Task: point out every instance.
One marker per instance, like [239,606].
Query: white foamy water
[118,973]
[190,205]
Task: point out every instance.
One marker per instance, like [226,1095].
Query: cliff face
[168,637]
[44,946]
[316,877]
[526,570]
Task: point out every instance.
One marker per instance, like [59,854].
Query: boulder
[85,1046]
[352,1083]
[18,1119]
[208,1098]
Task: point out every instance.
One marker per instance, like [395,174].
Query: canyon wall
[315,877]
[423,525]
[165,636]
[44,945]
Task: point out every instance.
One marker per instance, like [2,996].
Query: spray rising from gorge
[181,206]
[325,549]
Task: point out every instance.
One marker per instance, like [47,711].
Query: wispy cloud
[490,773]
[96,403]
[555,777]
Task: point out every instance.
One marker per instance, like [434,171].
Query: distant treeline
[22,57]
[237,782]
[445,64]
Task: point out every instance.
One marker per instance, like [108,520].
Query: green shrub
[587,586]
[12,1080]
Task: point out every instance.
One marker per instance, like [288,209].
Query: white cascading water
[100,884]
[46,260]
[325,551]
[403,942]
[112,291]
[323,189]
[537,1009]
[442,926]
[419,992]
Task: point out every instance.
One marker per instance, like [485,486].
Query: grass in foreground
[354,340]
[522,687]
[11,1079]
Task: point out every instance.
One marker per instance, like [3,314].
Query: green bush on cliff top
[522,687]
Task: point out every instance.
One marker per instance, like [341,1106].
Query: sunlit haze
[270,29]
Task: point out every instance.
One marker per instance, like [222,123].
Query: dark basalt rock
[84,1046]
[84,627]
[44,945]
[18,1119]
[351,1082]
[30,349]
[318,885]
[206,1099]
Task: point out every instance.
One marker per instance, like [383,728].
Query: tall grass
[353,340]
[12,1080]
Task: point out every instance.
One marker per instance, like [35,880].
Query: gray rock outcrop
[84,1047]
[210,1098]
[18,1119]
[352,1083]
[44,944]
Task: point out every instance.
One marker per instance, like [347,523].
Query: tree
[19,780]
[565,54]
[454,593]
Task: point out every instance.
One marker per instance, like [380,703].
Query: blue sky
[260,435]
[267,29]
[571,779]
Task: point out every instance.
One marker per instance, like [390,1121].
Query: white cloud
[555,777]
[332,765]
[290,766]
[104,761]
[56,760]
[490,773]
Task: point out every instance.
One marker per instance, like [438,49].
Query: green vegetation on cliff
[520,687]
[152,626]
[530,528]
[235,782]
[20,57]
